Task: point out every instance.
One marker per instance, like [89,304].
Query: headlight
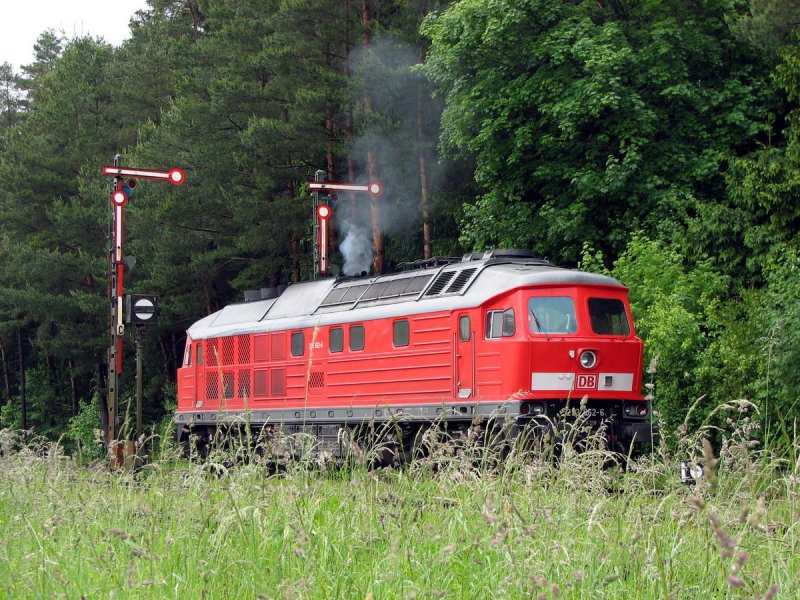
[533,408]
[638,409]
[588,359]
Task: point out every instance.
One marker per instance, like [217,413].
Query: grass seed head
[770,593]
[735,581]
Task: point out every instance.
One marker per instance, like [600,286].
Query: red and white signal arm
[323,213]
[374,188]
[174,176]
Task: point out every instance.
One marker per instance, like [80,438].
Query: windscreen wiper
[539,325]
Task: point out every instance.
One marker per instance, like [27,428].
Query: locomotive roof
[449,287]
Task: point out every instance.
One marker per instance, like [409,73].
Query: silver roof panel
[300,305]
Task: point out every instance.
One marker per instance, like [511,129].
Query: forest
[656,141]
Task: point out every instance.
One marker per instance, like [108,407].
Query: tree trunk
[6,379]
[177,354]
[165,355]
[295,260]
[378,249]
[195,13]
[207,293]
[295,242]
[23,398]
[330,155]
[423,166]
[103,397]
[348,124]
[73,388]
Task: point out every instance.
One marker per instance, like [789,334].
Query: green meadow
[452,524]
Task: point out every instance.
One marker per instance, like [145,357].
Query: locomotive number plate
[586,382]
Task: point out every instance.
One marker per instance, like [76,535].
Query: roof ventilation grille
[460,281]
[440,283]
[264,293]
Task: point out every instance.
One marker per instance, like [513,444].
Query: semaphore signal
[323,212]
[120,193]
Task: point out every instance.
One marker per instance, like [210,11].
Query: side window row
[400,337]
[336,338]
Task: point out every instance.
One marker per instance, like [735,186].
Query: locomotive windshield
[552,314]
[608,316]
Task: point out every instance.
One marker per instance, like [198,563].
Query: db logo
[586,381]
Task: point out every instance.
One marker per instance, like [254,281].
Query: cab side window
[500,323]
[509,323]
[608,316]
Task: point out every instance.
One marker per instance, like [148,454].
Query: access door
[465,357]
[200,374]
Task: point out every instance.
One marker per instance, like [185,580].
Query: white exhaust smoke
[356,249]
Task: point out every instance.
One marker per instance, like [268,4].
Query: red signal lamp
[177,176]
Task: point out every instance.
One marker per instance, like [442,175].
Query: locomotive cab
[583,352]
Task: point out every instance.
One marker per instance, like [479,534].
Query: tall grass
[456,523]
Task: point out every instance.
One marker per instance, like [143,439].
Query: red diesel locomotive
[500,336]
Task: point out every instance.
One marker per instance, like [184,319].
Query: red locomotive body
[496,336]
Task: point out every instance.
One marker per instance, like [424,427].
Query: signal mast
[142,308]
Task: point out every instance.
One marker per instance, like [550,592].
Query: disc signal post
[321,191]
[120,193]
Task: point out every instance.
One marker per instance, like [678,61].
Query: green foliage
[777,318]
[585,122]
[768,25]
[677,315]
[85,432]
[704,346]
[11,415]
[46,411]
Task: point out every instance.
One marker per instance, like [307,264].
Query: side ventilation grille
[316,379]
